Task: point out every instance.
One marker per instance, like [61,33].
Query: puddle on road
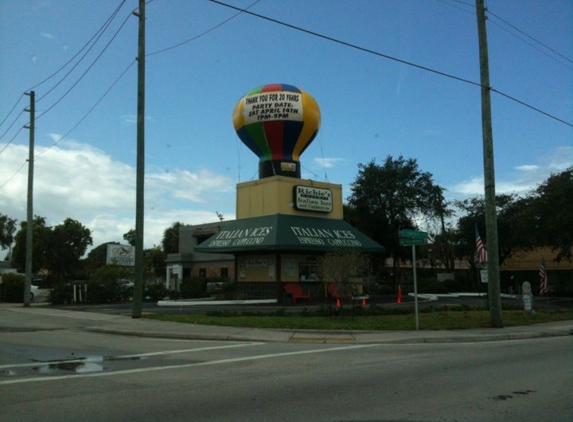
[82,365]
[77,367]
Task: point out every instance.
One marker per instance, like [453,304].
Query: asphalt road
[72,375]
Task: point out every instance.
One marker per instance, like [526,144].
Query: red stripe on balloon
[272,87]
[274,131]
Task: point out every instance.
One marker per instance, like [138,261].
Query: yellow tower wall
[275,195]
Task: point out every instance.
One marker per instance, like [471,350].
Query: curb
[310,336]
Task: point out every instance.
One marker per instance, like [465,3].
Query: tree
[129,237]
[58,249]
[170,242]
[97,257]
[390,197]
[443,249]
[340,268]
[155,261]
[549,212]
[39,238]
[511,226]
[65,246]
[7,229]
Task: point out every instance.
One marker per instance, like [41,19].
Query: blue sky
[371,106]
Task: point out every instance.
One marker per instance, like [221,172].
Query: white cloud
[81,182]
[562,160]
[524,179]
[328,162]
[471,187]
[196,187]
[527,167]
[130,118]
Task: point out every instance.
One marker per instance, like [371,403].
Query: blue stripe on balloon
[291,135]
[291,88]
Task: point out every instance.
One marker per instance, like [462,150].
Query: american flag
[542,278]
[481,250]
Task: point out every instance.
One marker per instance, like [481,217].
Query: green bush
[113,273]
[456,286]
[155,292]
[193,287]
[229,291]
[432,286]
[12,288]
[61,293]
[378,288]
[105,287]
[105,291]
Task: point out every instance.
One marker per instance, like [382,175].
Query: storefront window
[308,271]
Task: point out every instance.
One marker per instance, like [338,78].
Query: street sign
[413,238]
[415,234]
[412,241]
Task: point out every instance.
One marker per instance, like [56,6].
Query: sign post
[413,238]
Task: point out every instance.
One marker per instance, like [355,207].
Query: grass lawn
[435,320]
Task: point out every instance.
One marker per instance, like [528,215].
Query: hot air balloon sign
[277,122]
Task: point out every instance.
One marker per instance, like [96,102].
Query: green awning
[281,232]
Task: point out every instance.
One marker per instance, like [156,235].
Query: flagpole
[544,280]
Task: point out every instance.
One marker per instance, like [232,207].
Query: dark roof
[281,232]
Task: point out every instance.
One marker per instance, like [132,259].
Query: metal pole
[139,197]
[415,287]
[494,293]
[30,213]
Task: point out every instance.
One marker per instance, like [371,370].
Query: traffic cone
[399,294]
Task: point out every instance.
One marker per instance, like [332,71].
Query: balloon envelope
[277,122]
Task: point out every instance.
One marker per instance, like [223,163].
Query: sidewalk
[16,318]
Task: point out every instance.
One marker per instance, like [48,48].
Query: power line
[204,32]
[545,53]
[347,44]
[523,103]
[14,175]
[87,70]
[470,8]
[91,109]
[12,124]
[11,110]
[99,31]
[76,125]
[386,56]
[13,137]
[530,37]
[95,38]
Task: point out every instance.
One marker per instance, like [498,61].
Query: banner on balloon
[273,106]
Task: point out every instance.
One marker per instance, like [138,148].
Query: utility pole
[494,294]
[30,204]
[140,176]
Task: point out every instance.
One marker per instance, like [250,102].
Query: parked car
[35,292]
[126,286]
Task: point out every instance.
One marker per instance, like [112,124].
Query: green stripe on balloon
[256,140]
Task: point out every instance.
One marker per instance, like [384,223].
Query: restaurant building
[284,223]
